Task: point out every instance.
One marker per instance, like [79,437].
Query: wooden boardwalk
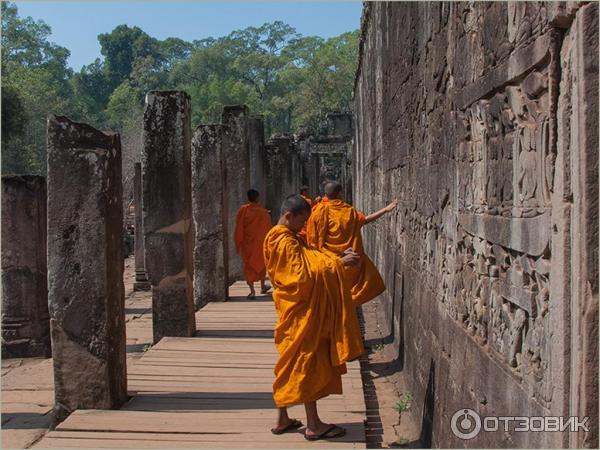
[211,391]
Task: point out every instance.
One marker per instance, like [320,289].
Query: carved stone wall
[25,321]
[482,119]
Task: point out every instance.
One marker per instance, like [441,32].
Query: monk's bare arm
[376,215]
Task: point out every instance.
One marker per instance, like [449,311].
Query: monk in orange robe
[252,224]
[317,331]
[335,226]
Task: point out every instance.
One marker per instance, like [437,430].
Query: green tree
[291,80]
[90,93]
[35,72]
[323,75]
[120,48]
[13,115]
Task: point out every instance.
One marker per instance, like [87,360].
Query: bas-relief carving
[490,269]
[495,277]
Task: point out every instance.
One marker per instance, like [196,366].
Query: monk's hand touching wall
[386,209]
[392,206]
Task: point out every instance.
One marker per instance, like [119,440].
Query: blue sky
[76,24]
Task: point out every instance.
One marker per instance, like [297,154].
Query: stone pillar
[141,279]
[237,163]
[167,209]
[209,208]
[85,266]
[25,323]
[257,156]
[273,188]
[284,172]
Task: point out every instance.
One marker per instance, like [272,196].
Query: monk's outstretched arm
[376,215]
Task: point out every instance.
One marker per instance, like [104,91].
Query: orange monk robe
[252,224]
[317,331]
[335,226]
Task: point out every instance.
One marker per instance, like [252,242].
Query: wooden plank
[238,441]
[181,422]
[262,436]
[188,392]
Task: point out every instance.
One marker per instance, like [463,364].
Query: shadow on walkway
[201,401]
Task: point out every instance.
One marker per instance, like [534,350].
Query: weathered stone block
[167,212]
[210,212]
[85,266]
[25,322]
[236,157]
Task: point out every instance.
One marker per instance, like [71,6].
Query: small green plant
[404,403]
[147,347]
[402,442]
[377,347]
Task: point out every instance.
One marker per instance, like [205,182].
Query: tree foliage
[35,80]
[292,80]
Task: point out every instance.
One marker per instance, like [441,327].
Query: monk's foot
[266,288]
[286,425]
[325,431]
[251,296]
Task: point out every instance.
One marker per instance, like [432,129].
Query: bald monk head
[294,212]
[253,195]
[333,190]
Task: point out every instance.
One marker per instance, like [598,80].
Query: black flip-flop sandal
[266,290]
[339,432]
[294,425]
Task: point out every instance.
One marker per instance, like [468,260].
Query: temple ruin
[481,118]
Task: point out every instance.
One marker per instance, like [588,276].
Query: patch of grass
[377,347]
